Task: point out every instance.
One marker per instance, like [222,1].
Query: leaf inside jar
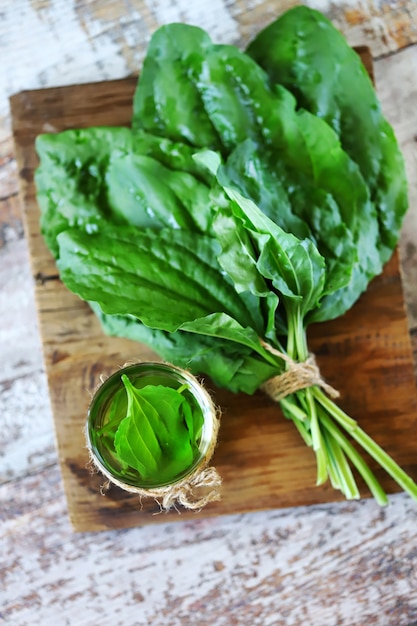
[159,435]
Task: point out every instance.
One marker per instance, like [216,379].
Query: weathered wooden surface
[345,564]
[341,564]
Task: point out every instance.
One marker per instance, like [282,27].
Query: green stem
[356,459]
[305,434]
[276,361]
[331,446]
[293,412]
[291,336]
[339,471]
[318,442]
[299,352]
[368,444]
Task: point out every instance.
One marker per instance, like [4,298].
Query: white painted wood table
[336,564]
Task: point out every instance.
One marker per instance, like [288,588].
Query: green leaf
[297,205]
[158,436]
[118,408]
[177,427]
[294,51]
[233,89]
[227,363]
[96,175]
[166,102]
[174,155]
[70,179]
[295,267]
[345,232]
[293,263]
[147,194]
[223,326]
[135,442]
[164,278]
[238,256]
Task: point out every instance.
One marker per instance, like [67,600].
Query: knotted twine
[298,375]
[193,491]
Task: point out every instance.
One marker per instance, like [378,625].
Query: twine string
[296,377]
[193,493]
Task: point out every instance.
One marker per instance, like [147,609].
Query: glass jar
[140,375]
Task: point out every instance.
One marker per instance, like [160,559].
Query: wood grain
[344,564]
[366,354]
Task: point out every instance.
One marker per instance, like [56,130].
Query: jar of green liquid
[152,429]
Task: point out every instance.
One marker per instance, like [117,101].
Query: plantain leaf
[71,178]
[336,88]
[136,442]
[164,278]
[158,437]
[227,363]
[166,102]
[296,268]
[147,194]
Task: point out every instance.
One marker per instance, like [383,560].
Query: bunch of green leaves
[294,51]
[227,217]
[153,430]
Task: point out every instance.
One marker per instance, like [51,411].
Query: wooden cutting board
[366,354]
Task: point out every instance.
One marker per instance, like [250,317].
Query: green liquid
[109,408]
